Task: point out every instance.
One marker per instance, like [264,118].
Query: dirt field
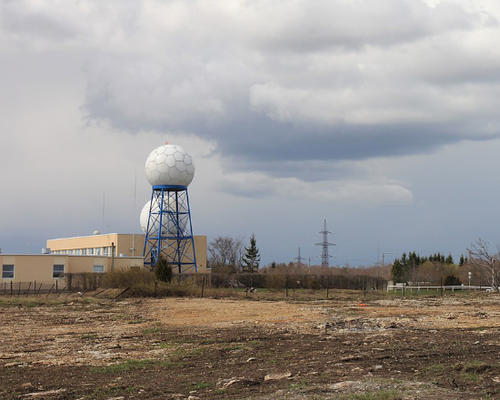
[347,347]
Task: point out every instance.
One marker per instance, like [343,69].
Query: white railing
[448,287]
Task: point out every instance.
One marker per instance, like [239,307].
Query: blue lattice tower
[166,218]
[169,209]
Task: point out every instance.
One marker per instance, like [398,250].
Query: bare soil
[346,347]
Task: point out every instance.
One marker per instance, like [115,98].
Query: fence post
[19,289]
[11,288]
[50,290]
[203,286]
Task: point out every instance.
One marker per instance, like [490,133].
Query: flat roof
[106,234]
[63,255]
[100,234]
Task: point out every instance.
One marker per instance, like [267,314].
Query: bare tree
[225,254]
[481,257]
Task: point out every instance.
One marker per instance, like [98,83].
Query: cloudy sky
[381,116]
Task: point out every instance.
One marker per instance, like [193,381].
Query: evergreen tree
[397,271]
[462,260]
[251,259]
[449,259]
[163,270]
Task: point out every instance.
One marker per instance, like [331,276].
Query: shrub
[163,270]
[452,280]
[127,279]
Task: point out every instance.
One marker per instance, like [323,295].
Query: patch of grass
[238,346]
[29,301]
[182,353]
[201,385]
[43,300]
[469,376]
[89,336]
[105,392]
[133,365]
[151,331]
[435,369]
[174,360]
[128,365]
[476,367]
[377,395]
[170,364]
[164,345]
[136,321]
[298,386]
[233,347]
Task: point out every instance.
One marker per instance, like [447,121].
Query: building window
[58,271]
[99,269]
[8,271]
[90,251]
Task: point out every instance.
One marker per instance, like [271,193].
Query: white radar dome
[145,216]
[169,165]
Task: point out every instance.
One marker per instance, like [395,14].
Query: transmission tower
[299,259]
[325,257]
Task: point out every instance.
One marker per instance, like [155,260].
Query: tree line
[480,267]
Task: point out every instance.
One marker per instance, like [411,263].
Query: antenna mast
[325,257]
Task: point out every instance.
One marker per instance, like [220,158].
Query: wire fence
[32,288]
[85,282]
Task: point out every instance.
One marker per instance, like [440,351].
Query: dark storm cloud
[17,19]
[326,82]
[262,139]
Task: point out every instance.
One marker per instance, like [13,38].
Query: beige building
[91,254]
[124,245]
[46,268]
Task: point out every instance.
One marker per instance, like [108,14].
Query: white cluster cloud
[256,185]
